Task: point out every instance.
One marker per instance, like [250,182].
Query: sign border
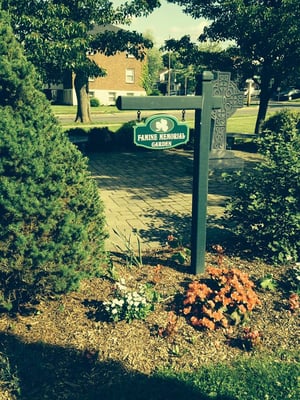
[148,122]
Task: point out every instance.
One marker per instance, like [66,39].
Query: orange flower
[207,323]
[187,310]
[207,311]
[195,321]
[211,303]
[242,309]
[204,292]
[237,297]
[190,298]
[217,316]
[224,323]
[294,302]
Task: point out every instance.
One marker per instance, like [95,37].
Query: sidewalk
[151,193]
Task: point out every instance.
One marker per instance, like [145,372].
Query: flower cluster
[226,298]
[128,304]
[251,338]
[294,302]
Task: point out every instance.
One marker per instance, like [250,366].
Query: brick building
[123,78]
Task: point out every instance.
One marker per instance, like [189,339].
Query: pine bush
[52,218]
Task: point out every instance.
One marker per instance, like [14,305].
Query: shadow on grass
[54,373]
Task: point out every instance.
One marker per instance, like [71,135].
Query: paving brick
[151,192]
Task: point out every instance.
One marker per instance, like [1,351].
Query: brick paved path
[151,192]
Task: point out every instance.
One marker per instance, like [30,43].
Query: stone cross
[233,98]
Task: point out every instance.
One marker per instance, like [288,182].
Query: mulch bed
[67,345]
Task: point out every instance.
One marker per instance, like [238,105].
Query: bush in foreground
[265,206]
[52,224]
[228,297]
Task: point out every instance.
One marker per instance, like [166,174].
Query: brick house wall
[123,78]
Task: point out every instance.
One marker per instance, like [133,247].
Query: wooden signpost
[163,131]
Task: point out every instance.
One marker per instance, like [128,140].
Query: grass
[64,109]
[256,378]
[251,377]
[241,122]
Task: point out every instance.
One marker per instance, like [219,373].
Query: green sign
[161,132]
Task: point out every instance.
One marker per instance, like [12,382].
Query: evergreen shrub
[123,137]
[100,139]
[76,132]
[52,220]
[265,206]
[94,102]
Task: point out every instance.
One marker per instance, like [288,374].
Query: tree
[52,222]
[190,59]
[266,33]
[56,35]
[153,67]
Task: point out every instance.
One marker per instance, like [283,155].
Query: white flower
[120,302]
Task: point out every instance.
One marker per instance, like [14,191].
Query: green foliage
[292,279]
[123,138]
[103,139]
[265,206]
[9,382]
[94,102]
[61,47]
[284,123]
[133,258]
[247,24]
[52,224]
[255,378]
[100,139]
[268,283]
[76,132]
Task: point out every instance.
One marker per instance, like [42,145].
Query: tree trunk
[82,94]
[265,94]
[262,111]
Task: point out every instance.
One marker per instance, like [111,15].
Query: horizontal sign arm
[164,103]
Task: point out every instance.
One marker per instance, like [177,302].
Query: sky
[167,22]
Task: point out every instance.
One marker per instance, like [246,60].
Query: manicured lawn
[61,109]
[241,122]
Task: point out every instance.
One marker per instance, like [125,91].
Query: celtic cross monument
[232,98]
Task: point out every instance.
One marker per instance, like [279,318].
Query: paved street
[125,116]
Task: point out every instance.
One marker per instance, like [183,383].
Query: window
[129,78]
[112,97]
